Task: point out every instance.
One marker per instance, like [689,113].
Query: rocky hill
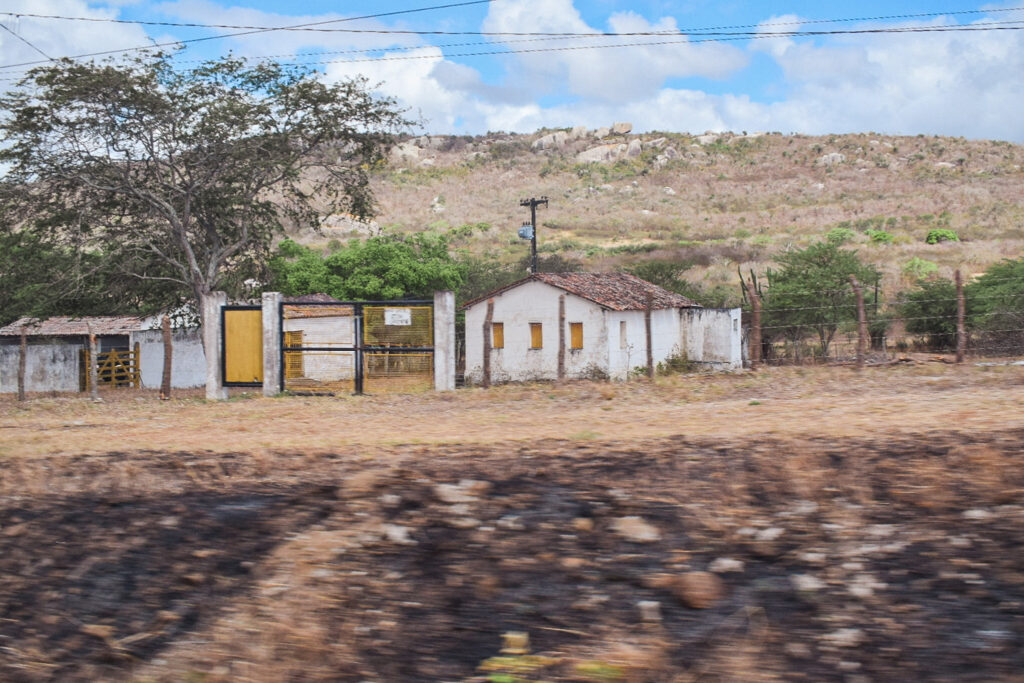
[713,201]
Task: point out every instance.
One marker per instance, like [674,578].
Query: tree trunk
[165,383]
[94,378]
[561,338]
[650,336]
[961,327]
[22,361]
[755,327]
[488,319]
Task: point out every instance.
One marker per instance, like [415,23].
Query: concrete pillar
[272,343]
[212,304]
[444,341]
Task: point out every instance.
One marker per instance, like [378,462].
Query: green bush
[941,235]
[920,269]
[839,235]
[880,236]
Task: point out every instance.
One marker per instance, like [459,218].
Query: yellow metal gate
[242,346]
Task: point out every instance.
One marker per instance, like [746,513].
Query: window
[536,336]
[575,336]
[497,335]
[622,334]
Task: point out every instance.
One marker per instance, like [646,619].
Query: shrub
[920,269]
[930,312]
[941,235]
[880,237]
[839,235]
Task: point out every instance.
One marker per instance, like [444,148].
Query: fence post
[649,335]
[961,327]
[212,305]
[94,379]
[165,382]
[561,338]
[488,319]
[271,320]
[755,326]
[862,322]
[22,360]
[444,341]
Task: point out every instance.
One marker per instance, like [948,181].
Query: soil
[887,557]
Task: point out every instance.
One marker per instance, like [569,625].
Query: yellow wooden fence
[119,368]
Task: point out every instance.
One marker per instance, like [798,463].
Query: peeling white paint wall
[188,360]
[48,367]
[712,336]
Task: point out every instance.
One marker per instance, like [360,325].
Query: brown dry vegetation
[864,526]
[735,203]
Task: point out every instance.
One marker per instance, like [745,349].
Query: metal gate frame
[223,345]
[360,347]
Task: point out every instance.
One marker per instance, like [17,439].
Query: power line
[261,30]
[26,41]
[310,27]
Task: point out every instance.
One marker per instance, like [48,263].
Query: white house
[605,332]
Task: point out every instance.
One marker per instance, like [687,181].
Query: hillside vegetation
[712,202]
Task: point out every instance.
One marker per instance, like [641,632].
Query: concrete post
[444,341]
[271,343]
[212,304]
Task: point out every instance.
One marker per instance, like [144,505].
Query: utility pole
[533,203]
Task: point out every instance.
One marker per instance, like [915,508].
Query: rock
[511,522]
[669,191]
[806,583]
[407,151]
[551,141]
[460,522]
[621,128]
[844,637]
[583,524]
[977,514]
[864,586]
[707,139]
[602,132]
[656,143]
[724,565]
[98,630]
[601,153]
[15,529]
[361,483]
[650,610]
[831,159]
[699,590]
[636,530]
[466,491]
[578,132]
[396,533]
[769,534]
[573,562]
[944,164]
[634,149]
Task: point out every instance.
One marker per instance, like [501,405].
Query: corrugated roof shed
[63,326]
[615,291]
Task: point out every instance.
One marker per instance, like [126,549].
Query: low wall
[712,336]
[188,361]
[48,367]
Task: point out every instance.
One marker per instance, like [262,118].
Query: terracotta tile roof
[64,326]
[615,291]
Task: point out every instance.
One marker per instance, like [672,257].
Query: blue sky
[961,83]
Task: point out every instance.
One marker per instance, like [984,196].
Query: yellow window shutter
[536,336]
[498,334]
[575,335]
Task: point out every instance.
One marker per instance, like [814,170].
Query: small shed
[605,328]
[54,359]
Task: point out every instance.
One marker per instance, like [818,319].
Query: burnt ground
[891,558]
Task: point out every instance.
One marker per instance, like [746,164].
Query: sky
[892,67]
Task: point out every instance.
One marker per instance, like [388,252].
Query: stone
[463,492]
[601,153]
[977,514]
[406,151]
[831,159]
[634,149]
[578,132]
[573,562]
[707,139]
[724,565]
[396,533]
[669,191]
[650,610]
[636,530]
[583,524]
[602,132]
[551,141]
[98,630]
[806,583]
[844,637]
[656,143]
[621,128]
[361,483]
[511,522]
[699,590]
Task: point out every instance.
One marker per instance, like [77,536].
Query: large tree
[184,176]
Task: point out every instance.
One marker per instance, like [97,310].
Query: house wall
[188,360]
[517,362]
[623,359]
[712,336]
[48,367]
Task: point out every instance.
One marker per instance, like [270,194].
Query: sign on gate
[357,347]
